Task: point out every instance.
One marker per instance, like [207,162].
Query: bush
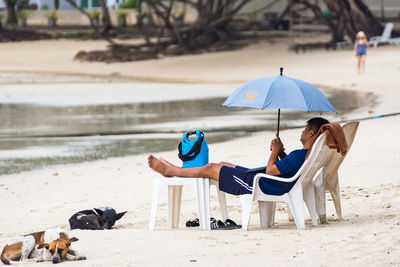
[95,14]
[147,13]
[122,15]
[180,13]
[22,15]
[52,15]
[128,4]
[45,7]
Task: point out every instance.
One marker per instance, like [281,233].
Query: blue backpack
[193,153]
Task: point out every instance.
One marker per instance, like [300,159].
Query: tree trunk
[106,16]
[210,26]
[335,27]
[11,14]
[353,16]
[139,17]
[348,18]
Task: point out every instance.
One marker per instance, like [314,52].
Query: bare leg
[358,64]
[211,170]
[223,163]
[362,65]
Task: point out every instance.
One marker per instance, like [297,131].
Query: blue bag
[193,153]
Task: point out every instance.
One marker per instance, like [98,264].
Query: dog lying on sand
[50,245]
[95,219]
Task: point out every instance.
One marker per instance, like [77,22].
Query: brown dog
[51,245]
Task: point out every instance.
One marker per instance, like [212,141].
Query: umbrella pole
[279,118]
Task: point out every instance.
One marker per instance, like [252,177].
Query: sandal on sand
[193,223]
[231,224]
[217,225]
[196,222]
[227,225]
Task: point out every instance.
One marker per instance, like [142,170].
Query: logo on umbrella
[248,96]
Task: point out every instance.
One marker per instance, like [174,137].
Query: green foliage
[95,14]
[52,15]
[128,4]
[180,13]
[121,14]
[22,15]
[252,15]
[45,7]
[147,13]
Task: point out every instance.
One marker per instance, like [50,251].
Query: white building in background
[63,4]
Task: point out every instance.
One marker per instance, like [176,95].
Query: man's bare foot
[167,162]
[157,165]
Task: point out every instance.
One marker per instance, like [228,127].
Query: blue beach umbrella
[279,92]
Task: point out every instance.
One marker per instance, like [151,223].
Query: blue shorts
[236,181]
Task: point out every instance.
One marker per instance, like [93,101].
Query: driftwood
[17,35]
[312,46]
[117,53]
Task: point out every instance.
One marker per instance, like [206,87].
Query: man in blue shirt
[237,180]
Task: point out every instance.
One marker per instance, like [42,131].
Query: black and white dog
[95,219]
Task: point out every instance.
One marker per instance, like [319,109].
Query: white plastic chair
[384,38]
[294,198]
[202,186]
[328,177]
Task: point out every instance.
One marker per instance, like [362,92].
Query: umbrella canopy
[279,92]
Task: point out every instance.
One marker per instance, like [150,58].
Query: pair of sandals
[216,224]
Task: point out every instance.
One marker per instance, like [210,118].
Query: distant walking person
[360,48]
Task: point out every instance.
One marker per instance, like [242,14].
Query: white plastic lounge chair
[328,177]
[384,38]
[175,185]
[395,41]
[294,198]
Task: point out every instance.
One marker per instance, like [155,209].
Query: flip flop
[193,223]
[217,225]
[227,225]
[196,222]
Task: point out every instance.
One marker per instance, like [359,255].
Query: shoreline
[256,60]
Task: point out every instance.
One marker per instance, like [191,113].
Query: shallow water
[37,132]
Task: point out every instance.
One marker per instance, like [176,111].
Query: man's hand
[276,144]
[276,149]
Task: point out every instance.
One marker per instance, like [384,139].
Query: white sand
[370,234]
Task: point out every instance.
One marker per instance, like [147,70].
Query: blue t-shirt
[288,166]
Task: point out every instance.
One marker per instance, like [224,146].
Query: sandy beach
[369,179]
